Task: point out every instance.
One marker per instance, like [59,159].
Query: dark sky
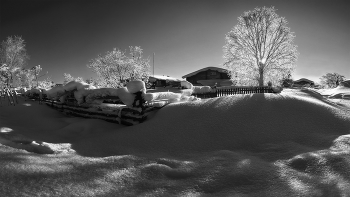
[186,35]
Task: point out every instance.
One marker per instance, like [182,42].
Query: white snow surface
[186,84]
[76,85]
[186,92]
[295,143]
[201,89]
[335,92]
[153,78]
[161,95]
[136,86]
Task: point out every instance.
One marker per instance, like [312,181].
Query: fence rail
[232,91]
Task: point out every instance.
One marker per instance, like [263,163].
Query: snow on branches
[115,68]
[13,57]
[260,48]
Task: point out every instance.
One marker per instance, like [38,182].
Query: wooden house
[209,76]
[303,82]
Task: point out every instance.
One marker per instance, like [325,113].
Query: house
[303,82]
[209,76]
[162,81]
[345,83]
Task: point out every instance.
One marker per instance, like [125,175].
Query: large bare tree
[260,48]
[115,68]
[13,57]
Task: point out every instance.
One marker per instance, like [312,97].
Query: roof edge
[204,69]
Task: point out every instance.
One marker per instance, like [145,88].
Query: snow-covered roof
[304,79]
[162,77]
[205,69]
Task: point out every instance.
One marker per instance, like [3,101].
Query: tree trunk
[261,77]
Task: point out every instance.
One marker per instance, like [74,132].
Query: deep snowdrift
[240,122]
[291,144]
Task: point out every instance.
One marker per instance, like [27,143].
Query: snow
[55,92]
[136,86]
[161,95]
[162,77]
[90,93]
[125,96]
[334,91]
[295,143]
[201,89]
[186,92]
[186,84]
[75,85]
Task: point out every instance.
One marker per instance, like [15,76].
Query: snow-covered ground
[296,143]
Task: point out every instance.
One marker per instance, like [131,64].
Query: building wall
[206,75]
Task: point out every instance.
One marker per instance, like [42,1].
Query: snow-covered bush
[115,68]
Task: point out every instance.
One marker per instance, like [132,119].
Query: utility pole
[153,63]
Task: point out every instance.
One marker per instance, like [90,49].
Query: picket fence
[218,92]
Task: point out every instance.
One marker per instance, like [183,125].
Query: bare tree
[13,57]
[331,80]
[260,48]
[115,69]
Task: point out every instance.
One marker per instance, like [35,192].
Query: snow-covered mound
[291,144]
[186,92]
[136,86]
[55,92]
[186,84]
[76,85]
[247,122]
[335,92]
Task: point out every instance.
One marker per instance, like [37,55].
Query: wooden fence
[235,90]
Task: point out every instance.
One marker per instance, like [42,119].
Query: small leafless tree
[13,57]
